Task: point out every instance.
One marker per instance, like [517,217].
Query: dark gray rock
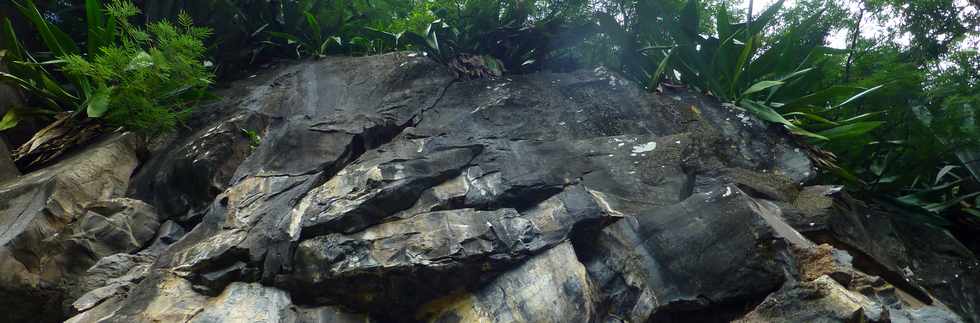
[167,298]
[113,276]
[552,287]
[113,226]
[169,233]
[158,297]
[830,288]
[922,260]
[110,276]
[822,300]
[382,188]
[10,96]
[430,254]
[182,182]
[102,241]
[49,236]
[714,252]
[8,170]
[242,302]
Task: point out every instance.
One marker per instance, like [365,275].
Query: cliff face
[382,189]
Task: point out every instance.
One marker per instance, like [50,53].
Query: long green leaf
[766,113]
[16,80]
[432,38]
[760,22]
[743,62]
[96,26]
[805,133]
[942,206]
[9,42]
[851,130]
[813,117]
[55,39]
[860,117]
[314,24]
[655,79]
[690,18]
[723,24]
[795,74]
[820,98]
[858,96]
[760,86]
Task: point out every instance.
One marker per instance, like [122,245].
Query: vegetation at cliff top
[886,91]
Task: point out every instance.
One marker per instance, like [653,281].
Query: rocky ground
[385,190]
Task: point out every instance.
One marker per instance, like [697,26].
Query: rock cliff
[382,189]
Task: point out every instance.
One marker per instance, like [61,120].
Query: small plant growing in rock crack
[254,140]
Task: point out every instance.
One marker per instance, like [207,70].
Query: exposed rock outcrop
[383,189]
[54,227]
[552,287]
[922,260]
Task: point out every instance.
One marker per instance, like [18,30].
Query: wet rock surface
[383,189]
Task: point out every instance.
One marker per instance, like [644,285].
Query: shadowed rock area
[385,190]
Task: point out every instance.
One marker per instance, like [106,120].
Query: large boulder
[382,188]
[396,200]
[903,247]
[198,165]
[55,227]
[166,298]
[552,287]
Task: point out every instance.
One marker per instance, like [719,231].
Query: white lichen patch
[647,147]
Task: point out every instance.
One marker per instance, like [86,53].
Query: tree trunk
[751,3]
[855,34]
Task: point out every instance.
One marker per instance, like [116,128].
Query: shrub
[142,79]
[149,79]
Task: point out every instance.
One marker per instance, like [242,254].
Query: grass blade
[851,130]
[655,79]
[760,86]
[858,96]
[96,26]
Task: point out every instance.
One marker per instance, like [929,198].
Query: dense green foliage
[142,78]
[885,91]
[148,81]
